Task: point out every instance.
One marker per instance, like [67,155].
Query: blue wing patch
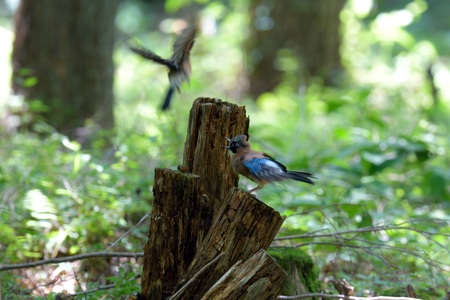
[266,169]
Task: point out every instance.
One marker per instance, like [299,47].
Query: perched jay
[179,65]
[258,166]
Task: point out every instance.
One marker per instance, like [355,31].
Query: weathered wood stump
[175,224]
[210,121]
[244,226]
[259,278]
[201,225]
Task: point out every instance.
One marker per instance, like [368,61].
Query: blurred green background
[375,134]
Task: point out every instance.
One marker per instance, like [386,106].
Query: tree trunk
[307,29]
[62,56]
[184,204]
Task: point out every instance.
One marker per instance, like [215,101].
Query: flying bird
[258,166]
[179,64]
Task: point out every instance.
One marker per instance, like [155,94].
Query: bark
[210,121]
[258,278]
[308,30]
[244,226]
[67,47]
[175,225]
[184,204]
[183,247]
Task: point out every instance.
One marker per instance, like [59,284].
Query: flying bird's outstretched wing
[150,55]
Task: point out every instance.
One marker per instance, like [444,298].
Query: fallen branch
[360,230]
[431,262]
[69,259]
[128,231]
[304,296]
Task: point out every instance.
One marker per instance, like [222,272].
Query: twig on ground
[304,296]
[128,231]
[103,287]
[69,259]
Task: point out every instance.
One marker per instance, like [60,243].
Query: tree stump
[258,278]
[201,225]
[210,121]
[245,225]
[174,226]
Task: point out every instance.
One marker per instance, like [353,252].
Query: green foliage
[378,146]
[60,193]
[125,284]
[60,199]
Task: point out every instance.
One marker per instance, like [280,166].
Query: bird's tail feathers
[301,176]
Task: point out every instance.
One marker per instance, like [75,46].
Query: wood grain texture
[204,232]
[210,121]
[185,203]
[175,226]
[244,226]
[259,278]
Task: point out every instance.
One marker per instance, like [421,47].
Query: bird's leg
[256,188]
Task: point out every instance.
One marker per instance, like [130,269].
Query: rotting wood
[185,203]
[259,278]
[210,121]
[244,226]
[194,278]
[199,214]
[175,224]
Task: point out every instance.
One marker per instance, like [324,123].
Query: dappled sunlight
[6,38]
[378,144]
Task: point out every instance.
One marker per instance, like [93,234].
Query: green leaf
[374,158]
[436,185]
[72,145]
[175,5]
[366,220]
[37,106]
[30,82]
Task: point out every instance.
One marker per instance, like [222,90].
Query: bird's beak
[229,141]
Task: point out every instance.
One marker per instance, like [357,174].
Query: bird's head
[238,142]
